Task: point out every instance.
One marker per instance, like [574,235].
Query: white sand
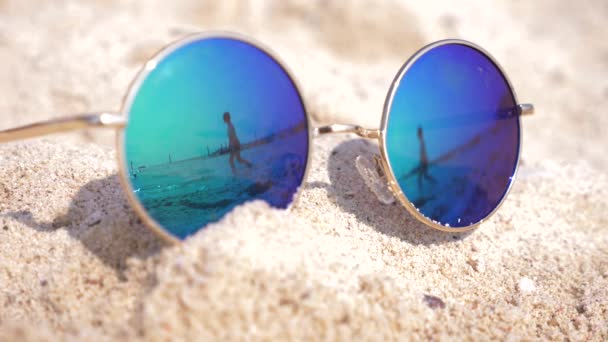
[75,262]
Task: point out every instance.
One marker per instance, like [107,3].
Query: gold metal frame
[118,121]
[82,121]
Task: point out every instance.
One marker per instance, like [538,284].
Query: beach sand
[77,263]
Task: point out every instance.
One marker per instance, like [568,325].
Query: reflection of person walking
[234,144]
[424,161]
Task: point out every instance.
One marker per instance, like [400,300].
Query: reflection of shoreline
[262,141]
[463,148]
[224,150]
[189,195]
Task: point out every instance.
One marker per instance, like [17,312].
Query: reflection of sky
[178,109]
[455,94]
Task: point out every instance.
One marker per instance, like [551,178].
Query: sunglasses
[216,120]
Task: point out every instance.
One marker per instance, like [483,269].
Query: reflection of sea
[456,198]
[184,196]
[468,181]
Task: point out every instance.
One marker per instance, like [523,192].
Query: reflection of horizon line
[453,152]
[470,118]
[287,132]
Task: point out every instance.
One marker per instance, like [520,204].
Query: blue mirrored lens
[452,135]
[215,123]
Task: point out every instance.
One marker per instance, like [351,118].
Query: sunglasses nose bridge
[370,167]
[340,128]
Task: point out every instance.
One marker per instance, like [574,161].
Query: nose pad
[370,169]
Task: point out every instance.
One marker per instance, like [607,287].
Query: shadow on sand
[104,222]
[101,218]
[353,196]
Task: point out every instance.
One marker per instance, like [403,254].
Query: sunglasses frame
[119,121]
[380,135]
[523,109]
[140,78]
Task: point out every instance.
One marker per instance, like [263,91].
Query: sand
[76,262]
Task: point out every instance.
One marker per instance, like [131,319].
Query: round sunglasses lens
[213,123]
[452,135]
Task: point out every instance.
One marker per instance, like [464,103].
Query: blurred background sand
[75,262]
[71,56]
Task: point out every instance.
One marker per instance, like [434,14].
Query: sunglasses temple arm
[339,128]
[525,108]
[92,120]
